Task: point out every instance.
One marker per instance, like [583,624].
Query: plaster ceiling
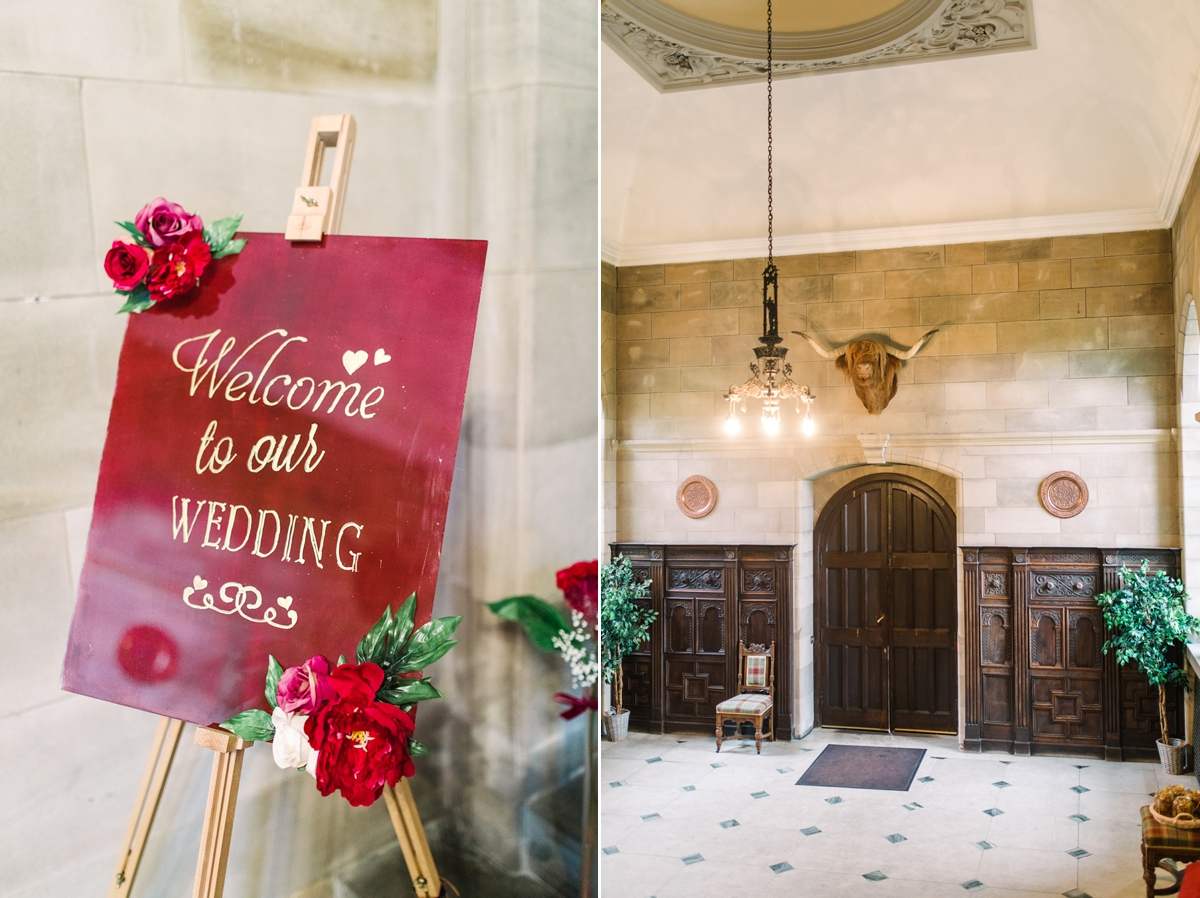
[1094,130]
[787,15]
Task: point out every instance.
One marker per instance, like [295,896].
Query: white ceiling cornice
[890,238]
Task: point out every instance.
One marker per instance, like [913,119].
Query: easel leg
[162,753]
[218,814]
[411,835]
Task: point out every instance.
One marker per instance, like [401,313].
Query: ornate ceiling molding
[674,51]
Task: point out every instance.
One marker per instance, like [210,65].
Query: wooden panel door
[886,608]
[923,610]
[694,622]
[851,586]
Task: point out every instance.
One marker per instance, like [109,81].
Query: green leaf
[218,234]
[417,749]
[232,248]
[371,647]
[274,672]
[402,628]
[428,644]
[136,234]
[253,726]
[406,691]
[625,615]
[341,660]
[137,301]
[541,620]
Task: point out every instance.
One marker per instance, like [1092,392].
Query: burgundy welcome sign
[277,468]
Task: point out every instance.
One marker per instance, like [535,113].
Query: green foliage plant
[624,624]
[1145,619]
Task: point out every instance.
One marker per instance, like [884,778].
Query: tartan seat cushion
[1160,835]
[746,703]
[756,670]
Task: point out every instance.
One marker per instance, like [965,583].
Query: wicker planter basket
[617,726]
[1174,757]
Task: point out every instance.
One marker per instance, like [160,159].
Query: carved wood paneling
[1046,686]
[689,662]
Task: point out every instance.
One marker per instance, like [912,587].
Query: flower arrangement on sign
[549,630]
[350,725]
[171,249]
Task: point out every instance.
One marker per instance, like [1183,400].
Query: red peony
[126,264]
[579,584]
[178,266]
[361,743]
[162,222]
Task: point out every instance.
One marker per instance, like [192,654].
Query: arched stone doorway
[886,607]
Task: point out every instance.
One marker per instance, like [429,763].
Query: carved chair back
[756,669]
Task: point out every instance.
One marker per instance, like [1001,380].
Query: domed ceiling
[1095,128]
[682,44]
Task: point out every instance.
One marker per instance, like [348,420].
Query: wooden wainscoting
[1038,682]
[707,598]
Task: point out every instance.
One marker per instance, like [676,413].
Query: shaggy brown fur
[872,371]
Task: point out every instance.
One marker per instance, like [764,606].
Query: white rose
[291,748]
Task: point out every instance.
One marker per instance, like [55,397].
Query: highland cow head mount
[870,367]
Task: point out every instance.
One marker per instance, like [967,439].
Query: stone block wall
[1051,354]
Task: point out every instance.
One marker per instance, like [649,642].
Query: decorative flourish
[1064,585]
[238,598]
[960,26]
[995,583]
[696,578]
[758,581]
[350,726]
[170,251]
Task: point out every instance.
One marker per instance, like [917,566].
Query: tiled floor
[680,821]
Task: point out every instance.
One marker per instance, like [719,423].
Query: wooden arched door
[886,608]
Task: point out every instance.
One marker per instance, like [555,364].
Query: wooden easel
[316,211]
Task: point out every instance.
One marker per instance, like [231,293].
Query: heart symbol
[199,583]
[381,357]
[352,361]
[285,601]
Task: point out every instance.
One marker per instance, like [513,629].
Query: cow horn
[824,353]
[916,347]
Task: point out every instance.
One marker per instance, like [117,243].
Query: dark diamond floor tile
[1079,853]
[1079,818]
[834,800]
[653,760]
[810,830]
[895,837]
[985,845]
[693,859]
[1080,789]
[1000,784]
[781,867]
[993,812]
[649,817]
[925,779]
[971,884]
[729,824]
[688,788]
[611,849]
[875,876]
[759,794]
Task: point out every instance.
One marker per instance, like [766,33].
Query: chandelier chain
[770,160]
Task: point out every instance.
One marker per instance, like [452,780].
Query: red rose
[579,584]
[126,264]
[178,266]
[162,222]
[361,744]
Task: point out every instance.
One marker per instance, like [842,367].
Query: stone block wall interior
[1051,354]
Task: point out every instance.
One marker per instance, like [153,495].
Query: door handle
[880,619]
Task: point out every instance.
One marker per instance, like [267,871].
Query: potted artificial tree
[624,626]
[1146,618]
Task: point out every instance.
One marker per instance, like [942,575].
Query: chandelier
[770,378]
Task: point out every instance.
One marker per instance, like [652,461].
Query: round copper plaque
[1064,494]
[697,496]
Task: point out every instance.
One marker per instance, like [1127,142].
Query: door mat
[864,767]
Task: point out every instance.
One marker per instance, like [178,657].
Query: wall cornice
[1162,439]
[1070,225]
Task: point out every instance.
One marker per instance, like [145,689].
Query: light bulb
[809,426]
[771,426]
[731,424]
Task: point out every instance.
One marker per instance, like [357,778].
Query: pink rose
[126,264]
[161,222]
[305,688]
